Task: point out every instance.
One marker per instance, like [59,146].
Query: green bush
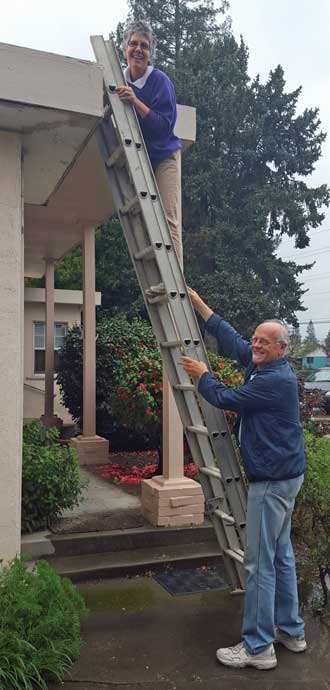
[312,512]
[128,380]
[39,626]
[50,477]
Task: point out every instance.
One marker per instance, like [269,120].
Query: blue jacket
[268,404]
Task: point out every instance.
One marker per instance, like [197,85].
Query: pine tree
[310,341]
[326,345]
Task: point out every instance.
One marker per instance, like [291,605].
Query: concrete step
[134,561]
[130,539]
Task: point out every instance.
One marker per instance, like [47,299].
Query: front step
[131,539]
[133,562]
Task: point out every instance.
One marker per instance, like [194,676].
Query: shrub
[39,626]
[312,513]
[128,378]
[50,477]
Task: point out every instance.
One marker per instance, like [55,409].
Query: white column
[11,343]
[89,379]
[91,449]
[49,354]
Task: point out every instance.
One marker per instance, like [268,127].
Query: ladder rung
[116,156]
[158,299]
[224,516]
[130,206]
[171,343]
[198,430]
[211,472]
[147,253]
[235,555]
[184,387]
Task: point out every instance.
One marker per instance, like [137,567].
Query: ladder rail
[138,203]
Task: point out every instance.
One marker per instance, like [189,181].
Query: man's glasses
[143,45]
[262,341]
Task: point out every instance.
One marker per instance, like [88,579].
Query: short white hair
[142,28]
[284,331]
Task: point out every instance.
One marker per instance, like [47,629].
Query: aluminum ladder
[139,207]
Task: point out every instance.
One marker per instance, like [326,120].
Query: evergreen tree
[326,345]
[295,342]
[310,341]
[243,180]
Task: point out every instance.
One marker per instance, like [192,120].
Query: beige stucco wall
[11,361]
[34,384]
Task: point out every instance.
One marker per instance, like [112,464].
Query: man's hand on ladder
[193,367]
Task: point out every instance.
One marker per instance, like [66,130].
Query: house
[315,359]
[68,306]
[54,193]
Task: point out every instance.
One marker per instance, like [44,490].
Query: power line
[323,292]
[323,250]
[317,232]
[317,276]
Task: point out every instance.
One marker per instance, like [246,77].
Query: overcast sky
[294,33]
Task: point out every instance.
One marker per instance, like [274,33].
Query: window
[310,360]
[39,344]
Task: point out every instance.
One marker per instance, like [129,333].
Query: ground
[138,637]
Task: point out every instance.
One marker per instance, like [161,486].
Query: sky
[293,33]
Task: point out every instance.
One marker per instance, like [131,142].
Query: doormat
[178,581]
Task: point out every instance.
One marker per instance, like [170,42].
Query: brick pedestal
[92,450]
[167,502]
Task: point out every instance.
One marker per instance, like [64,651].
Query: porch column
[92,449]
[49,419]
[11,343]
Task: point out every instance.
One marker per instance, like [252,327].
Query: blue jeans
[271,597]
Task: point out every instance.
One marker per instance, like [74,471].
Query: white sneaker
[294,644]
[238,657]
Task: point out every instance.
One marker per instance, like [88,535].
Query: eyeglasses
[143,45]
[262,341]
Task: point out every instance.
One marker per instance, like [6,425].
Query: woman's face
[138,54]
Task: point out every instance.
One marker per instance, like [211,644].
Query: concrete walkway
[105,506]
[140,637]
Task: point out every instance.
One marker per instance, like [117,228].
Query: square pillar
[48,418]
[91,449]
[11,343]
[172,498]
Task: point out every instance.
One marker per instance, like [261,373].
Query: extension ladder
[139,207]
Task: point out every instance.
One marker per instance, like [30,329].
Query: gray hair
[284,332]
[143,28]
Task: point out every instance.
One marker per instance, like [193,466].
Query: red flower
[147,411]
[142,386]
[225,382]
[221,365]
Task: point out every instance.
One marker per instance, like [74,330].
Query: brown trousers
[168,178]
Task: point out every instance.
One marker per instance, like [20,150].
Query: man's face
[265,345]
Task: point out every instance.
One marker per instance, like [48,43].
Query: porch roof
[56,103]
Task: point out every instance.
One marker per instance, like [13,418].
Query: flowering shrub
[120,474]
[128,378]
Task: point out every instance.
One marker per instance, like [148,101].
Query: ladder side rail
[180,315]
[144,281]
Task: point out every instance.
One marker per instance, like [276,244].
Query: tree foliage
[310,341]
[244,182]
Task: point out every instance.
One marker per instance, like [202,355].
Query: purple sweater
[157,92]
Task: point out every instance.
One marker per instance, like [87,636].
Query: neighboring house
[315,359]
[54,193]
[68,311]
